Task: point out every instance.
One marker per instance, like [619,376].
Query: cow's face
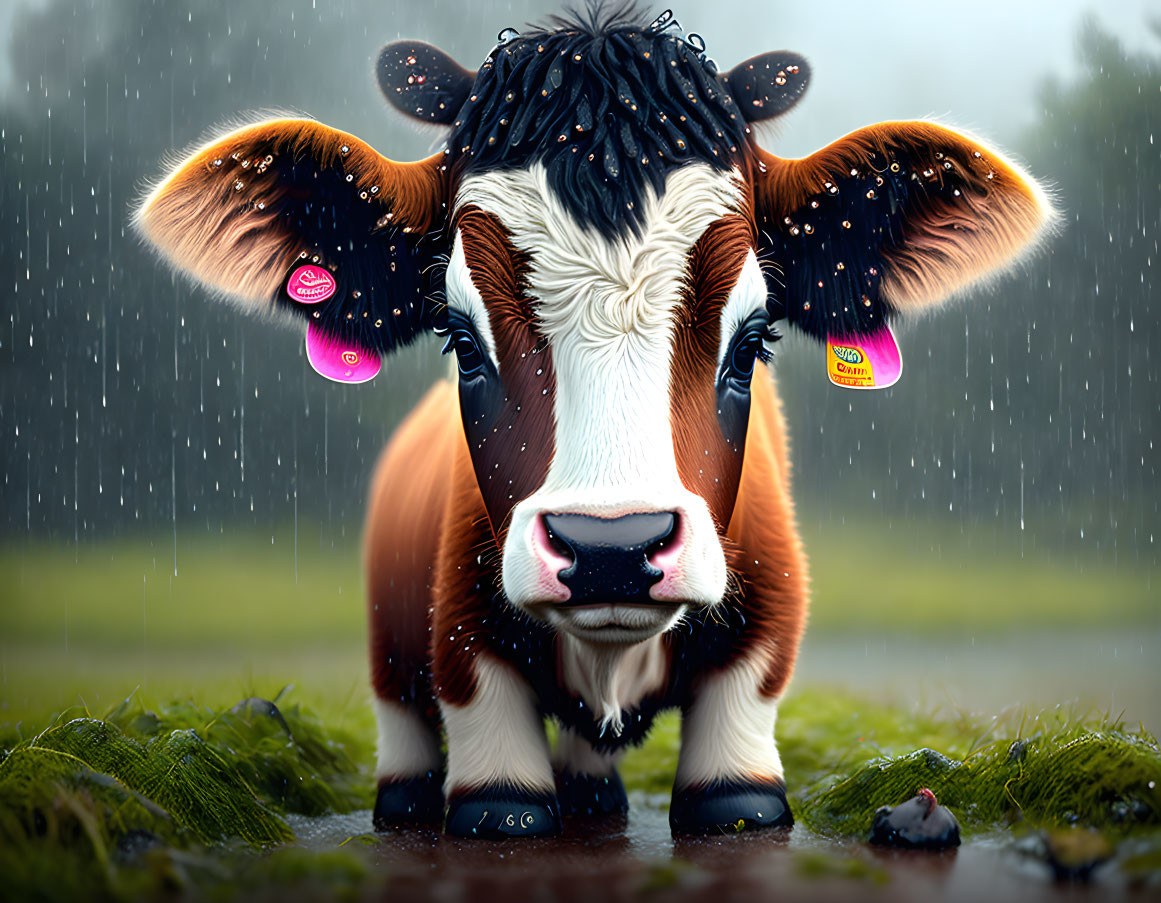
[606,249]
[605,391]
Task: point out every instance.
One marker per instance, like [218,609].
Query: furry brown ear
[892,218]
[769,84]
[423,81]
[245,213]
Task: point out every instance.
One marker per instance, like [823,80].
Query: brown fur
[714,265]
[219,234]
[770,560]
[426,527]
[947,246]
[401,539]
[515,453]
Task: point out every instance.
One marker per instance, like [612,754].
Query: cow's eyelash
[769,338]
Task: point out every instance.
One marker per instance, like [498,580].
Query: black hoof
[501,812]
[585,794]
[728,807]
[409,801]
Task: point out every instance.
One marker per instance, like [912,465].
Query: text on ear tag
[310,284]
[340,361]
[864,362]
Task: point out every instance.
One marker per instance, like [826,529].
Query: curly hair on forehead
[607,105]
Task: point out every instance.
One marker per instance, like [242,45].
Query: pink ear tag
[864,362]
[338,360]
[310,284]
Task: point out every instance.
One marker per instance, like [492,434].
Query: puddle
[636,858]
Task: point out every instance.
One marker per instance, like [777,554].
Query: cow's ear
[891,219]
[291,217]
[423,81]
[768,85]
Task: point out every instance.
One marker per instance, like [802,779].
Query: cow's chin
[610,623]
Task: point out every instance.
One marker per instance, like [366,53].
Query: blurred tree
[1093,353]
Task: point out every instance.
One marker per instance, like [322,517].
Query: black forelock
[607,104]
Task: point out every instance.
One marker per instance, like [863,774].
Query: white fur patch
[498,737]
[612,677]
[407,745]
[746,298]
[728,732]
[463,296]
[607,305]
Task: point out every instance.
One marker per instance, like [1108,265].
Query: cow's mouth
[611,622]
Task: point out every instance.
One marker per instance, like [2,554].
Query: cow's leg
[587,782]
[408,767]
[499,777]
[408,496]
[729,775]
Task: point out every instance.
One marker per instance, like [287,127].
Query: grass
[846,757]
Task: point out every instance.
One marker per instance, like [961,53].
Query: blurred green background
[181,501]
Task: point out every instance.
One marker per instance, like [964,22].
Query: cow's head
[607,251]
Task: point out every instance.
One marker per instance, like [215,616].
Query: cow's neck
[612,677]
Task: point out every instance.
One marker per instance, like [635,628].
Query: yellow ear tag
[864,362]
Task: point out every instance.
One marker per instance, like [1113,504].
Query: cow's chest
[575,685]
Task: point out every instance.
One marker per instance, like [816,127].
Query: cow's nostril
[558,544]
[665,542]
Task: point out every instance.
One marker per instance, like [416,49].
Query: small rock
[135,843]
[1073,853]
[256,706]
[918,824]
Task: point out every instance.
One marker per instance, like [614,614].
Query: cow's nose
[613,558]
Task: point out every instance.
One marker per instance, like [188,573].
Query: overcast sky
[977,65]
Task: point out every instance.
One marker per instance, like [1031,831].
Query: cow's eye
[748,345]
[462,339]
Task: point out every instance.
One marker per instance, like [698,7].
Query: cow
[593,522]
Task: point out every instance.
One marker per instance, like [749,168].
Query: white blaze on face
[746,298]
[463,295]
[607,305]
